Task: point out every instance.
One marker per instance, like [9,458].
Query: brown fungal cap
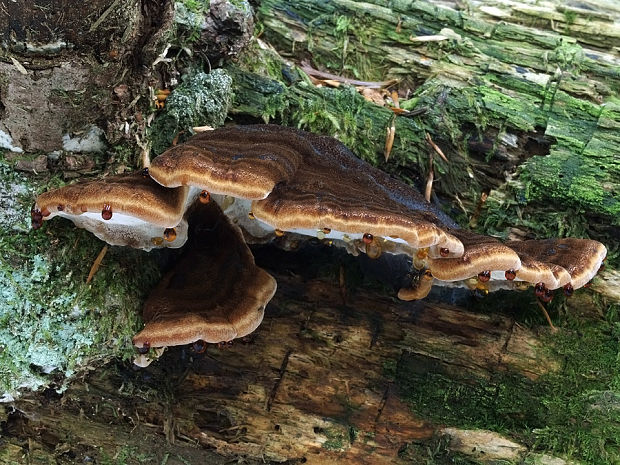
[133,195]
[568,260]
[482,254]
[328,187]
[122,210]
[245,163]
[214,293]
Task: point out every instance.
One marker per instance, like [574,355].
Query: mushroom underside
[272,181]
[215,292]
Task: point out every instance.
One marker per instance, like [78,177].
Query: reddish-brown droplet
[568,290]
[484,276]
[61,208]
[205,197]
[251,215]
[83,208]
[279,232]
[539,290]
[144,349]
[428,274]
[199,346]
[106,213]
[444,252]
[547,296]
[170,234]
[36,218]
[145,172]
[326,230]
[510,274]
[373,249]
[367,238]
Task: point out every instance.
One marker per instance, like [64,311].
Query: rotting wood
[310,385]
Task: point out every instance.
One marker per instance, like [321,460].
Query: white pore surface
[126,230]
[238,211]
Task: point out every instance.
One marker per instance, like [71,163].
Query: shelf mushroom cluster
[269,181]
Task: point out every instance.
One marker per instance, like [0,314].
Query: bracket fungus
[311,185]
[270,181]
[214,293]
[120,210]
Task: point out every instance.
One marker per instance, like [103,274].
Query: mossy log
[319,382]
[525,106]
[511,91]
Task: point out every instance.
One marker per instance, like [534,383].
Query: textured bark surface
[315,384]
[522,98]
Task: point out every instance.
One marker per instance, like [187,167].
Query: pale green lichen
[52,324]
[202,99]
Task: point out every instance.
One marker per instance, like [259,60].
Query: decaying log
[315,383]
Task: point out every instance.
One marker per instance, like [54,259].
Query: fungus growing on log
[215,292]
[128,210]
[310,184]
[273,181]
[482,254]
[570,260]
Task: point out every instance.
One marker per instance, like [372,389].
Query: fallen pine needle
[389,140]
[96,264]
[436,147]
[544,310]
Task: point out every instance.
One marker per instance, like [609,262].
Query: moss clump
[52,324]
[573,413]
[201,99]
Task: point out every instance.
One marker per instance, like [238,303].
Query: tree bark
[524,102]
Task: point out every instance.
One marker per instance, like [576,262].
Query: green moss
[52,324]
[337,438]
[433,452]
[572,413]
[201,99]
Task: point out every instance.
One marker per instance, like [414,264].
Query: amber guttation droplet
[106,213]
[144,349]
[422,254]
[367,238]
[510,274]
[145,172]
[444,252]
[224,344]
[36,218]
[481,292]
[539,290]
[83,209]
[326,230]
[373,249]
[568,290]
[157,241]
[205,197]
[279,232]
[428,274]
[251,216]
[170,234]
[199,346]
[61,208]
[484,276]
[547,296]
